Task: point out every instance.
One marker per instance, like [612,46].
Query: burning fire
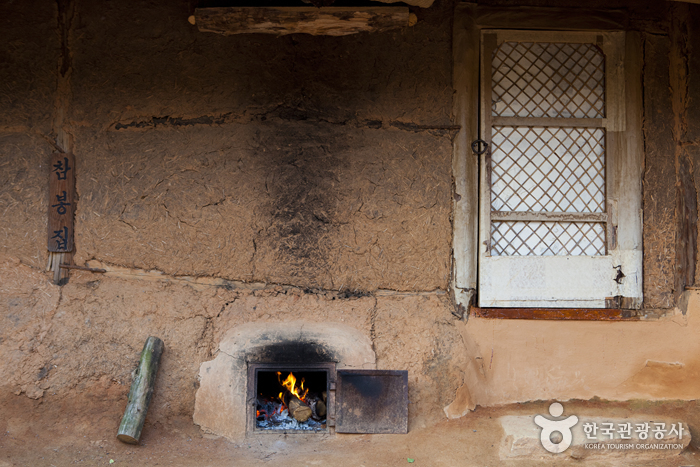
[291,384]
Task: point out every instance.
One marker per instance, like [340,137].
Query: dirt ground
[82,431]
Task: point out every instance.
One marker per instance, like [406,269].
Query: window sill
[559,314]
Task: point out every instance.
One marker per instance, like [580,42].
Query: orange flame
[291,384]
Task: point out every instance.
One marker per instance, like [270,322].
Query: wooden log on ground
[297,409]
[328,21]
[141,392]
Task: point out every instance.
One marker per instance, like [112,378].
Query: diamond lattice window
[548,169]
[560,180]
[554,169]
[536,79]
[547,238]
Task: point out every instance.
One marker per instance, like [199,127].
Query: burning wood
[295,408]
[274,415]
[320,409]
[290,383]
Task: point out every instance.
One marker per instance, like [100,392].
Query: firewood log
[141,392]
[297,409]
[320,409]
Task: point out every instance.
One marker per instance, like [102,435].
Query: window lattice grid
[547,238]
[542,79]
[547,169]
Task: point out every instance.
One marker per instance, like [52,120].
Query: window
[560,186]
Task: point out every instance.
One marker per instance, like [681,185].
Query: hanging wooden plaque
[61,202]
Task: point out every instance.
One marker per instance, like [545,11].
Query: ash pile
[274,415]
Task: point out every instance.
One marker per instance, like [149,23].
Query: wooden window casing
[580,288]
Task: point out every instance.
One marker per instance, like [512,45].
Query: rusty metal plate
[372,401]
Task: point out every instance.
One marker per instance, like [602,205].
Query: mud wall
[224,180]
[63,342]
[296,160]
[308,177]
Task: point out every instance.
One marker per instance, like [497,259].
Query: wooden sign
[61,202]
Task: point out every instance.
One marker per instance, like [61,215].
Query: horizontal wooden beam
[548,122]
[420,3]
[573,314]
[330,21]
[561,19]
[529,216]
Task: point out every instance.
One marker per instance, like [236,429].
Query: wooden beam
[465,165]
[331,21]
[549,121]
[420,3]
[580,314]
[561,19]
[531,216]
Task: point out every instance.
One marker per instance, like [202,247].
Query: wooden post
[141,392]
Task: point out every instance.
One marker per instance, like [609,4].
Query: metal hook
[620,275]
[476,144]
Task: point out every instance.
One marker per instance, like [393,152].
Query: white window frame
[551,282]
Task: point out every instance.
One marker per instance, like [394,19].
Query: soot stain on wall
[298,352]
[303,186]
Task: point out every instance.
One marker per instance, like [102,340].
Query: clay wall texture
[311,177]
[296,160]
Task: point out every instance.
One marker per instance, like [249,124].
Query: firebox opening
[291,400]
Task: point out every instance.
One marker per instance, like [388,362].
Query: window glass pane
[547,169]
[547,238]
[541,79]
